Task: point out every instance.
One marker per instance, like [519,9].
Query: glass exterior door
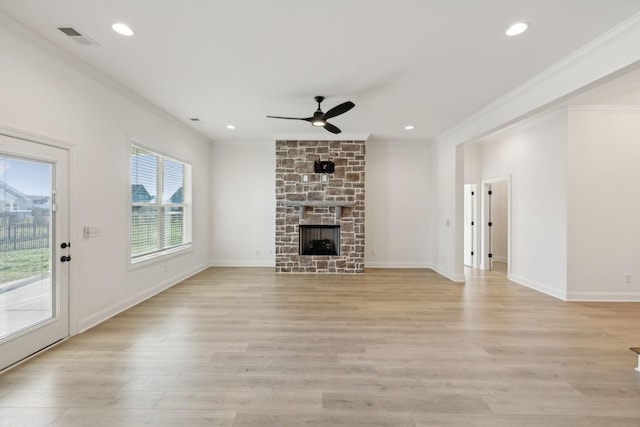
[33,281]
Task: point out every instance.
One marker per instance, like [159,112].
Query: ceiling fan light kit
[319,119]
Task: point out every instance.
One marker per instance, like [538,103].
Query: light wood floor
[247,347]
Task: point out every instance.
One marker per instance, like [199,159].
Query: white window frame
[163,253]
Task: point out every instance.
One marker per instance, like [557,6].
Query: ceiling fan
[319,118]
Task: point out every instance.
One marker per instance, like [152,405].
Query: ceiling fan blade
[331,128]
[339,109]
[306,119]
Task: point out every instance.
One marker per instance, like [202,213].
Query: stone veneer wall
[295,159]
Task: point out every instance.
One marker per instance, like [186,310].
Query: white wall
[48,93]
[472,164]
[448,228]
[243,208]
[534,154]
[399,204]
[604,203]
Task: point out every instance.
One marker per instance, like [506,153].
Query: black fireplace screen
[319,240]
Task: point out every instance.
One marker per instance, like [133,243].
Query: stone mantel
[319,204]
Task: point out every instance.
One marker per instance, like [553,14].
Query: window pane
[173,226]
[160,203]
[144,230]
[144,173]
[27,295]
[173,182]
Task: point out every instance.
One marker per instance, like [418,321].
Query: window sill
[159,257]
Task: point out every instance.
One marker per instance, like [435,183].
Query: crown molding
[77,64]
[607,56]
[321,137]
[614,108]
[526,123]
[243,142]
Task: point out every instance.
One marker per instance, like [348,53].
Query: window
[160,204]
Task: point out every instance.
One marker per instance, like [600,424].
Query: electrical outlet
[373,252]
[628,278]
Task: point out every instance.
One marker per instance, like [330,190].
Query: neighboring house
[13,200]
[40,201]
[139,194]
[177,196]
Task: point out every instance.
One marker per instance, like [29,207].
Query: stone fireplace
[320,216]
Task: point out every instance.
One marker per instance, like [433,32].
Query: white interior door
[34,275]
[496,217]
[470,222]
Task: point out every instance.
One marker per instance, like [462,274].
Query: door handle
[65,258]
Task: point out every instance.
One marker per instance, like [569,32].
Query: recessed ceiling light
[232,127]
[409,127]
[517,28]
[122,29]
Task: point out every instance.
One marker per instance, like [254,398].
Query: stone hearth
[304,197]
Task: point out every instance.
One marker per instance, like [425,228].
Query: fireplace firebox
[319,240]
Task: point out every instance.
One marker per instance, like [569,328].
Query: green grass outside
[144,232]
[20,264]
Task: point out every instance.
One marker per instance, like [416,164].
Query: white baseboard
[106,313]
[400,265]
[604,296]
[500,258]
[577,296]
[243,263]
[449,274]
[384,264]
[540,287]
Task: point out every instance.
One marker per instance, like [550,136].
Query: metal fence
[15,237]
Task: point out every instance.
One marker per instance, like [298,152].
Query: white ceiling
[429,63]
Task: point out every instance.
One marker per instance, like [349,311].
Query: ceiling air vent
[77,36]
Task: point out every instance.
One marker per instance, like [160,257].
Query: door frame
[69,147]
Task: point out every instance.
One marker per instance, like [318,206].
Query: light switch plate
[91,231]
